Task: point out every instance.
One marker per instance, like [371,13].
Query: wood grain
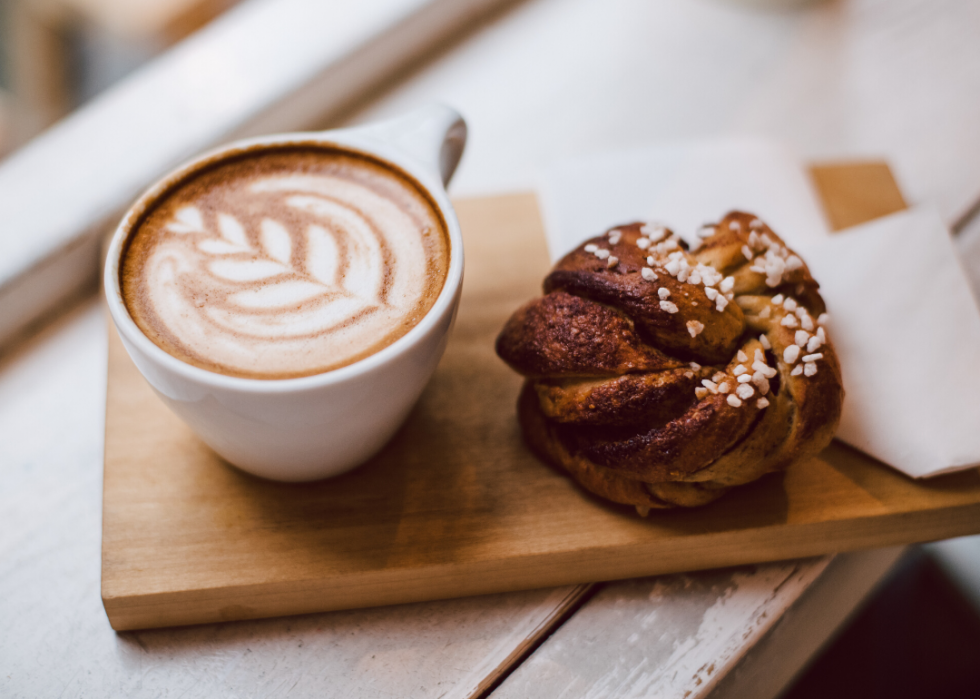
[455,505]
[738,632]
[675,635]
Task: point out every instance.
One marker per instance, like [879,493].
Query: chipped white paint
[754,600]
[674,636]
[772,662]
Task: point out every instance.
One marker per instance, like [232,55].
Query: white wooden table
[544,79]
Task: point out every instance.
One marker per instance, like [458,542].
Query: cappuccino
[282,262]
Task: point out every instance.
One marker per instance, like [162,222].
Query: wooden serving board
[456,505]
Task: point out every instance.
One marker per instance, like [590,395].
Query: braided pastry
[658,376]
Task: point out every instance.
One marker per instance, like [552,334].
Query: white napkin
[906,327]
[682,186]
[903,319]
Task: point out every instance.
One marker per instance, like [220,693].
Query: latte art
[285,263]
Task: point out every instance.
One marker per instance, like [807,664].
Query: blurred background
[58,54]
[824,76]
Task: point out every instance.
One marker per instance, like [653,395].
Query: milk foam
[286,273]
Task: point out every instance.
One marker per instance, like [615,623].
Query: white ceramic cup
[316,426]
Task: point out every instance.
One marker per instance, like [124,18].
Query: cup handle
[434,135]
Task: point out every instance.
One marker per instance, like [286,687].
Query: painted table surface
[546,79]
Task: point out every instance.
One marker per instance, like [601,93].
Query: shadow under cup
[271,415]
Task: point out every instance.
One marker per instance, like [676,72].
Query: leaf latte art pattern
[286,273]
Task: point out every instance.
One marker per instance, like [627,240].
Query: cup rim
[429,183]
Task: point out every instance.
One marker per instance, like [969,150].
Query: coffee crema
[285,262]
